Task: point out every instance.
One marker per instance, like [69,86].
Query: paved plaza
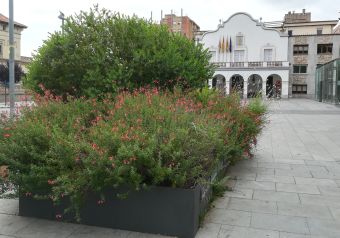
[290,189]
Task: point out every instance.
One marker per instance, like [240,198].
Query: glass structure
[327,82]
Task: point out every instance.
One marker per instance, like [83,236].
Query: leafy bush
[101,52]
[139,139]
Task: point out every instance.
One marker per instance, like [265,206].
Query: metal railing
[19,97]
[251,64]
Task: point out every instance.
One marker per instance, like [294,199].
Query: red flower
[94,146]
[125,137]
[51,182]
[7,135]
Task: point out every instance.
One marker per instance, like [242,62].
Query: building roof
[258,23]
[5,19]
[336,29]
[312,23]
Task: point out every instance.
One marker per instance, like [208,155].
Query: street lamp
[62,18]
[11,59]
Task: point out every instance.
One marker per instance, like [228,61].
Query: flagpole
[11,59]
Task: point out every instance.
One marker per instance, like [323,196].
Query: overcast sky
[41,16]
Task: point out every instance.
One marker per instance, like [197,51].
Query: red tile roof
[5,19]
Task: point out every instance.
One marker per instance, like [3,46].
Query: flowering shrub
[138,139]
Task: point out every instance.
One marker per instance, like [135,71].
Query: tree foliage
[4,73]
[102,52]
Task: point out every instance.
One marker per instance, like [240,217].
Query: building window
[213,56]
[268,55]
[239,40]
[300,49]
[325,48]
[290,32]
[0,50]
[299,69]
[299,89]
[4,27]
[319,31]
[239,55]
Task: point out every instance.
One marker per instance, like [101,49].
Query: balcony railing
[253,64]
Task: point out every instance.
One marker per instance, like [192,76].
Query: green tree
[102,52]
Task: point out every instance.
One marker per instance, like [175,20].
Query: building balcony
[252,64]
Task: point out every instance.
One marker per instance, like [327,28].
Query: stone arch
[274,86]
[237,84]
[254,86]
[219,82]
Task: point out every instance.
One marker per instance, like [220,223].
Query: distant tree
[4,73]
[102,52]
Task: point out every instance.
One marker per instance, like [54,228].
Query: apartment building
[181,24]
[4,39]
[310,44]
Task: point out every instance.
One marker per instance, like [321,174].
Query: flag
[227,45]
[219,46]
[230,46]
[223,45]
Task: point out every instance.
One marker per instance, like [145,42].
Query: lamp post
[11,59]
[62,18]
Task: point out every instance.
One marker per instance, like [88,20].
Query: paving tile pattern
[291,188]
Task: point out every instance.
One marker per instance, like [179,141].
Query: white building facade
[250,58]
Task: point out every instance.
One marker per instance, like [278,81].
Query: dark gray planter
[158,210]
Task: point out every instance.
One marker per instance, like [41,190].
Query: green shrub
[101,52]
[140,139]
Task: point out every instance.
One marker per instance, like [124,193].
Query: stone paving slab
[243,232]
[297,188]
[310,199]
[292,235]
[241,184]
[314,181]
[280,223]
[228,217]
[276,196]
[275,179]
[50,229]
[9,206]
[299,210]
[324,228]
[209,230]
[336,213]
[252,205]
[240,193]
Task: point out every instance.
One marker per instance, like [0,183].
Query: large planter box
[159,210]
